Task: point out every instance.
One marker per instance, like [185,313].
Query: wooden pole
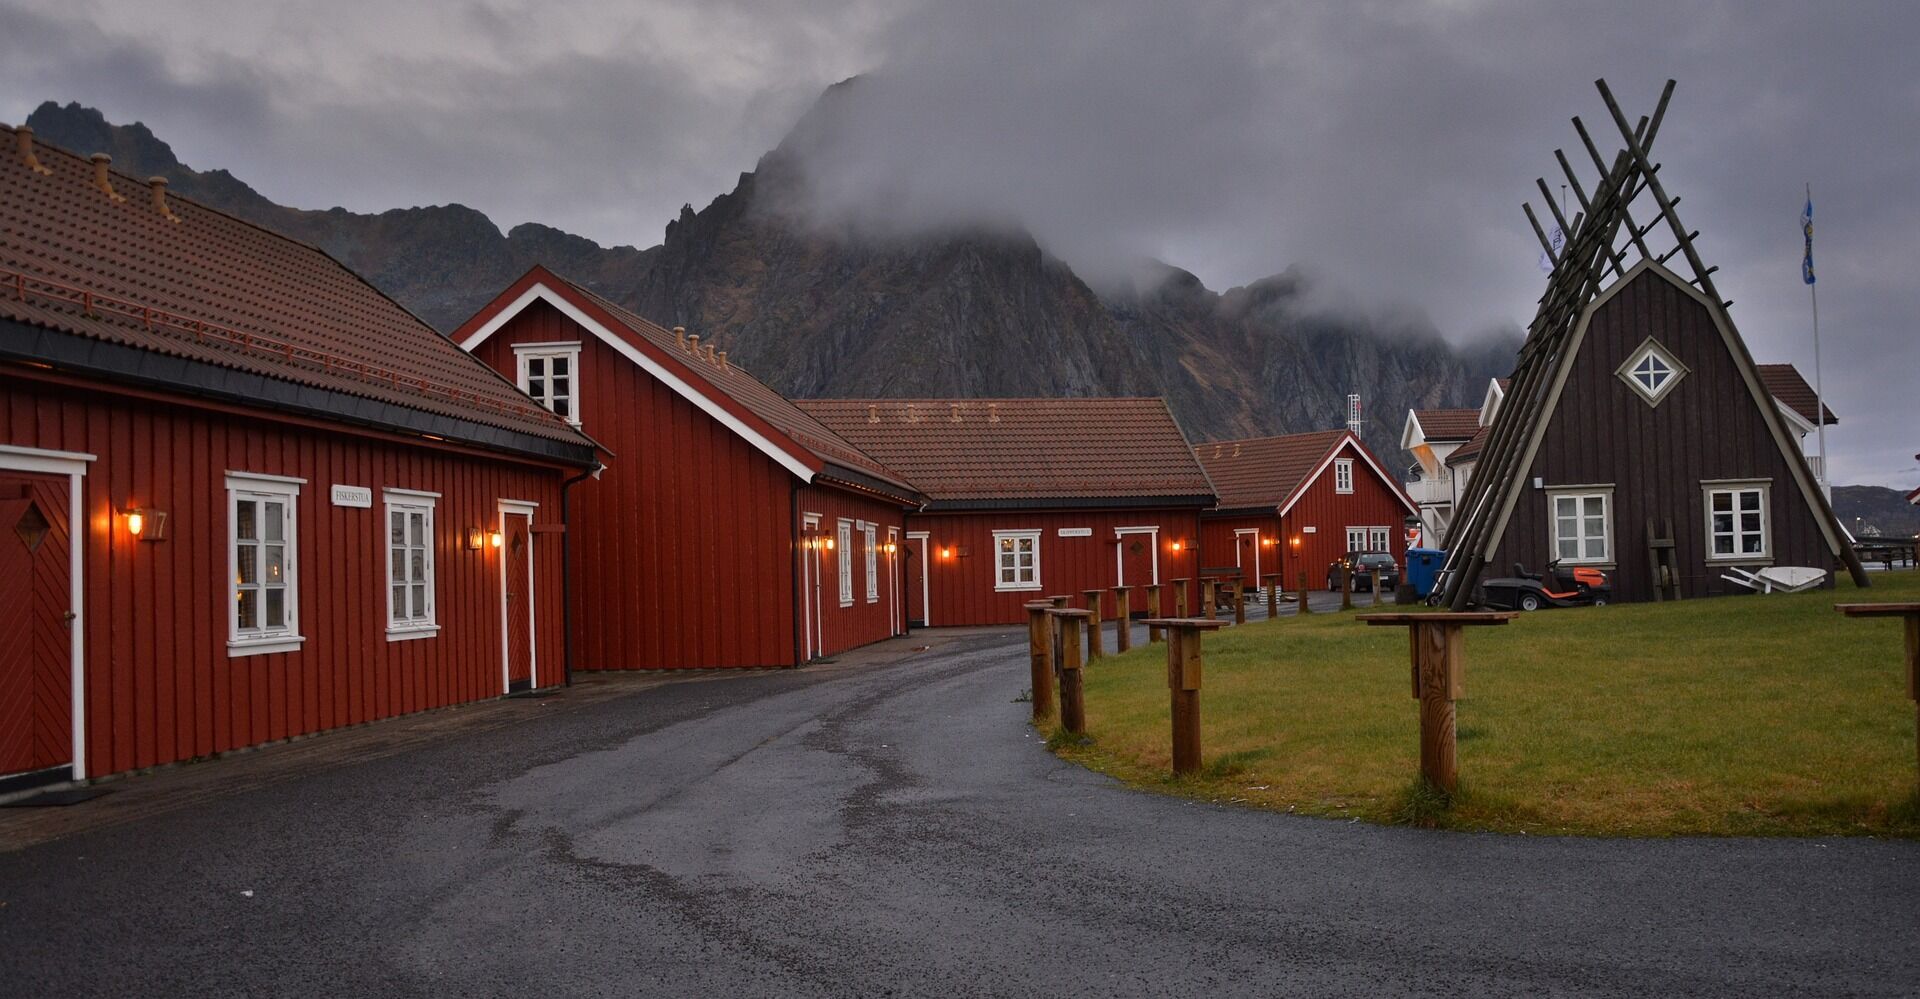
[1209,595]
[1346,586]
[1040,651]
[1239,603]
[1122,603]
[1273,594]
[1439,679]
[1305,608]
[1153,610]
[1180,597]
[1910,615]
[1073,704]
[1094,638]
[1183,686]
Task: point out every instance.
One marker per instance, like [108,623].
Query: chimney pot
[158,185]
[993,412]
[680,335]
[24,136]
[693,343]
[953,411]
[1216,450]
[873,413]
[709,353]
[1236,450]
[723,360]
[912,417]
[101,178]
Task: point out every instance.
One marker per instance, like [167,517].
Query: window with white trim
[1651,371]
[1343,475]
[263,606]
[1737,522]
[1016,560]
[1379,539]
[871,540]
[549,372]
[845,548]
[1582,526]
[409,541]
[1356,539]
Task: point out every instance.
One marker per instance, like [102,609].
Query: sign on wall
[354,496]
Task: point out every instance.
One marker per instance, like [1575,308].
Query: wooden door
[36,657]
[916,562]
[1137,559]
[518,556]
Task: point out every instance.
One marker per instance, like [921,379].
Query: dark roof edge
[1263,510]
[1070,502]
[836,474]
[73,353]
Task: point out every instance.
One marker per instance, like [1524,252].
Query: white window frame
[1000,566]
[1651,348]
[524,356]
[1580,494]
[1356,539]
[261,490]
[870,537]
[1735,488]
[1343,476]
[1379,539]
[407,502]
[843,545]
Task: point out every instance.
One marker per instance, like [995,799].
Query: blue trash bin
[1423,564]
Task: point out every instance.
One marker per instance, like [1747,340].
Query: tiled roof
[211,288]
[972,451]
[1783,382]
[1471,449]
[1265,471]
[1448,424]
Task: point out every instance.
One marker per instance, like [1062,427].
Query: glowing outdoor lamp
[496,539]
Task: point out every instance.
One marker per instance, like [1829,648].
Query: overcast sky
[1386,146]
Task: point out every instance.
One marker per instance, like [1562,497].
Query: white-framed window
[1343,475]
[872,541]
[1582,525]
[263,599]
[1379,539]
[1016,560]
[410,549]
[550,373]
[1651,371]
[1737,521]
[1356,539]
[844,546]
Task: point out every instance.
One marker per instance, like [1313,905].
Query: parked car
[1367,566]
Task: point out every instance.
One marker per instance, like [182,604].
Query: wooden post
[1073,704]
[1272,580]
[1040,651]
[1180,597]
[1153,610]
[1439,679]
[1209,596]
[1239,602]
[1910,614]
[1060,601]
[1376,587]
[1346,586]
[1183,685]
[1123,605]
[1093,626]
[1305,608]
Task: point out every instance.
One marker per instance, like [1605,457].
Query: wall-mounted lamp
[1296,542]
[829,544]
[147,525]
[946,553]
[475,539]
[1269,542]
[496,539]
[891,548]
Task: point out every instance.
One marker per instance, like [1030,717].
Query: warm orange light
[829,544]
[1296,541]
[496,539]
[946,553]
[891,548]
[136,522]
[1269,542]
[1175,546]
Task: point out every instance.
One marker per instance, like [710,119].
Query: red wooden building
[1297,503]
[730,528]
[243,495]
[1032,497]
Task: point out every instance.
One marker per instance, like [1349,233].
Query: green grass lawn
[1743,715]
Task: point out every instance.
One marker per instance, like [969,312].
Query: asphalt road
[892,829]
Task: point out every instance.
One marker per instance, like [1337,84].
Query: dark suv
[1367,566]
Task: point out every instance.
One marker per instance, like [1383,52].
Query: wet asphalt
[894,828]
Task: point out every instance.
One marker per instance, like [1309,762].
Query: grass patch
[1742,715]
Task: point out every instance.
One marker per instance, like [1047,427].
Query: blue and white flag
[1806,226]
[1559,241]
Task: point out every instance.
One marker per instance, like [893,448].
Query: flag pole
[1819,398]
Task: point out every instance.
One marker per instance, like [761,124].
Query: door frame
[73,465]
[517,508]
[810,617]
[1238,533]
[1120,554]
[926,592]
[895,622]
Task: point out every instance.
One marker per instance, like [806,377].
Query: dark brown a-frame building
[1637,435]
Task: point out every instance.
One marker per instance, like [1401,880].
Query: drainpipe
[566,572]
[793,562]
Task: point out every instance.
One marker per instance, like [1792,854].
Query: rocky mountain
[1876,511]
[816,311]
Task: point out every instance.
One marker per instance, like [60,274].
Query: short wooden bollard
[1073,705]
[1060,601]
[1911,613]
[1153,610]
[1123,605]
[1439,679]
[1273,593]
[1346,587]
[1239,603]
[1210,597]
[1183,685]
[1094,640]
[1040,650]
[1180,598]
[1305,608]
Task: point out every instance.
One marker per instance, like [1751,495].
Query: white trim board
[1393,486]
[539,292]
[73,465]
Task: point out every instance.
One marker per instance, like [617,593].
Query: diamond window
[1652,372]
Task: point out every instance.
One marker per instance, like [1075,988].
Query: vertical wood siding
[1218,541]
[843,628]
[1371,504]
[1706,427]
[961,587]
[160,685]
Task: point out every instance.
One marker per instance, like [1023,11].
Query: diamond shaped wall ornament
[31,526]
[1652,371]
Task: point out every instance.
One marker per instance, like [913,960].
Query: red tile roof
[1784,382]
[1448,424]
[1471,449]
[1270,472]
[213,289]
[1014,452]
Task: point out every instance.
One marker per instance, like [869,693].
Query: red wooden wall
[1371,504]
[159,683]
[843,628]
[961,586]
[1218,541]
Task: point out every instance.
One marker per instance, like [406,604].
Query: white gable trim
[1412,434]
[539,292]
[1347,443]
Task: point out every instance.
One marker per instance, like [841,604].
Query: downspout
[793,562]
[566,572]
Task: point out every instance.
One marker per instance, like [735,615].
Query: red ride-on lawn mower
[1575,587]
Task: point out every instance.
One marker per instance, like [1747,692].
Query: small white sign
[355,496]
[1309,530]
[1076,532]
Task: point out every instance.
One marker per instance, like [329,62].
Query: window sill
[411,633]
[1016,587]
[1739,560]
[263,646]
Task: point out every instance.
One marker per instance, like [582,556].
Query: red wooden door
[915,559]
[36,679]
[519,561]
[1136,568]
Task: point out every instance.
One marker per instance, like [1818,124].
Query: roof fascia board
[1347,442]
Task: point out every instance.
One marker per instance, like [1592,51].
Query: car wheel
[1529,602]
